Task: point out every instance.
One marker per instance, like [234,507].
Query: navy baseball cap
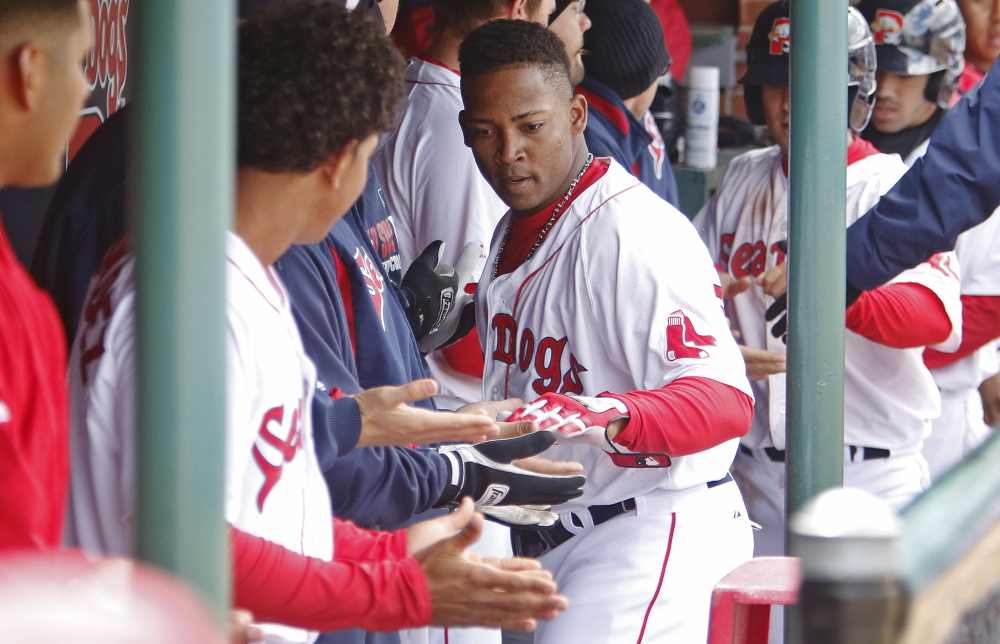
[767,49]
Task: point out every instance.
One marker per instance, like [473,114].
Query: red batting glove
[579,420]
[575,420]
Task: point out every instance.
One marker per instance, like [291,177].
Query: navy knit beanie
[625,44]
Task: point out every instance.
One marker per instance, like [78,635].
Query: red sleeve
[980,324]
[281,586]
[352,543]
[466,355]
[687,416]
[900,316]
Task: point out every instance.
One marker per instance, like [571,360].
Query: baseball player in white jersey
[960,428]
[594,284]
[276,500]
[431,182]
[919,47]
[890,397]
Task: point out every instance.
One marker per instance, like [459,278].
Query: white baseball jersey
[890,396]
[978,251]
[274,486]
[621,296]
[435,190]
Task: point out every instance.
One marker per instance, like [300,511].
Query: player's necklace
[548,224]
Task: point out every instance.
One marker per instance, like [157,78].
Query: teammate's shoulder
[621,199]
[881,167]
[757,159]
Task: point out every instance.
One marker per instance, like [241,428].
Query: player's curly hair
[313,77]
[462,16]
[501,44]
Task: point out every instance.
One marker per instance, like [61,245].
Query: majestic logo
[887,27]
[374,282]
[780,36]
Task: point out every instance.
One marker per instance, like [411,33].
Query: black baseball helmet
[767,62]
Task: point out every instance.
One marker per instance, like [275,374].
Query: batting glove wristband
[485,473]
[442,313]
[579,420]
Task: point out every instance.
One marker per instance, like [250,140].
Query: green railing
[182,181]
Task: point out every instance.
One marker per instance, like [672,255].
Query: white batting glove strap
[521,516]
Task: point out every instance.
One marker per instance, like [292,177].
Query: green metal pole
[817,207]
[182,179]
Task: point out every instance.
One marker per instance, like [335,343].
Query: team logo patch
[683,341]
[657,149]
[495,493]
[374,282]
[780,36]
[887,27]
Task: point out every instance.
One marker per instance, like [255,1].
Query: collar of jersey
[262,277]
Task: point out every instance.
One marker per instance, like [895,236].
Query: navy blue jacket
[85,218]
[354,328]
[613,131]
[953,187]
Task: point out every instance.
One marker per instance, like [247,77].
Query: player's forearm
[980,325]
[687,416]
[389,484]
[281,586]
[955,186]
[900,316]
[351,543]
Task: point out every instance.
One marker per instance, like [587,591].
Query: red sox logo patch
[374,282]
[682,339]
[780,36]
[887,27]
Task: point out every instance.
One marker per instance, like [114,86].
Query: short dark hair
[502,44]
[313,77]
[462,16]
[13,11]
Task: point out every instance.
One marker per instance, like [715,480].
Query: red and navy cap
[767,49]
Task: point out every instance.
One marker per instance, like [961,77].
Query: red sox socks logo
[682,339]
[657,149]
[384,241]
[780,36]
[374,282]
[287,448]
[545,357]
[887,27]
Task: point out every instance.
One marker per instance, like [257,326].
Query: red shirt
[34,417]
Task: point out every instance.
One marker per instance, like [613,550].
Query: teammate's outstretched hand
[387,419]
[465,590]
[501,409]
[762,363]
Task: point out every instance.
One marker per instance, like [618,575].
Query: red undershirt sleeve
[466,355]
[687,416]
[900,316]
[980,324]
[356,544]
[281,586]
